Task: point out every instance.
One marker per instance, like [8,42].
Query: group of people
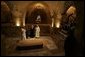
[33,32]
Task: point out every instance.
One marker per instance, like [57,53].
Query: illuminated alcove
[38,9]
[41,11]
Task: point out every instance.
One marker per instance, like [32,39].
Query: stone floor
[8,48]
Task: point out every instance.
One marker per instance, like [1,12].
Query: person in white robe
[23,34]
[37,31]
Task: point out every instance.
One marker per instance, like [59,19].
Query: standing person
[23,33]
[70,41]
[27,33]
[37,31]
[32,31]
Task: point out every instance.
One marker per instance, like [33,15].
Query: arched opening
[38,9]
[33,17]
[39,13]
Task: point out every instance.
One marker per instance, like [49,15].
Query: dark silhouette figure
[32,32]
[27,33]
[70,41]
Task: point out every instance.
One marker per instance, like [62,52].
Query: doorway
[39,13]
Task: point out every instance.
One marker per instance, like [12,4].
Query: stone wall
[11,31]
[21,8]
[14,31]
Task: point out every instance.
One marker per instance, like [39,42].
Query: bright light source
[58,24]
[52,22]
[17,22]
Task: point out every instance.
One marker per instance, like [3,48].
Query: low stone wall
[14,31]
[10,31]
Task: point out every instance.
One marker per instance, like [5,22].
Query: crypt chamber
[57,20]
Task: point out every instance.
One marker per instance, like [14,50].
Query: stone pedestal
[28,44]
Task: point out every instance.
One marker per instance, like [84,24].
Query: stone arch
[38,8]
